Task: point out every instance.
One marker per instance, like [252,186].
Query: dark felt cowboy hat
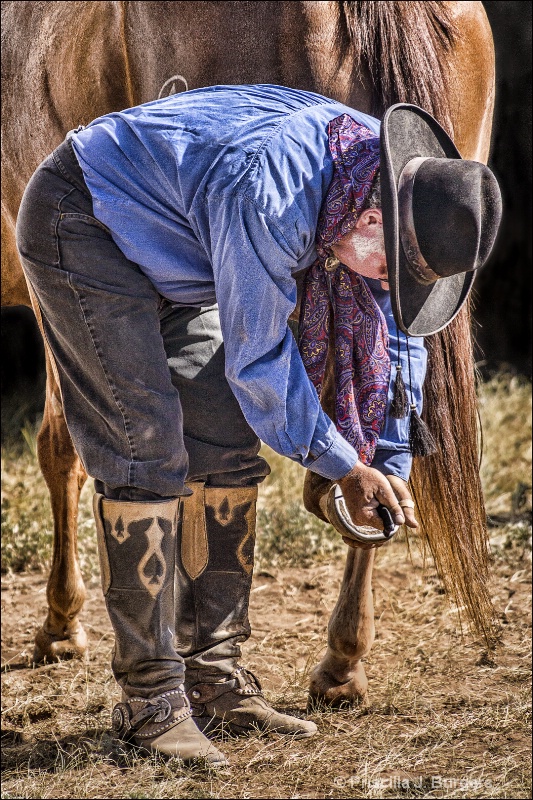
[440,219]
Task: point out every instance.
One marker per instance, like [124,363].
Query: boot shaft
[137,548]
[137,543]
[214,573]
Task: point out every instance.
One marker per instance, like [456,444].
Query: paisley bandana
[362,363]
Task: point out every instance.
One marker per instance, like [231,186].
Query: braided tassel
[400,404]
[421,440]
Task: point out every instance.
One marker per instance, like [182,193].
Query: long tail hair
[405,47]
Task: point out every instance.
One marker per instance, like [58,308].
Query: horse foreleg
[62,635]
[340,677]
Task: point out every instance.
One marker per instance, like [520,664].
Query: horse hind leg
[339,679]
[62,635]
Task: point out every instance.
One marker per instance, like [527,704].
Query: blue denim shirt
[215,194]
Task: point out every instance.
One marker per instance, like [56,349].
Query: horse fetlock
[63,609]
[338,688]
[70,643]
[62,623]
[353,651]
[337,665]
[315,487]
[349,643]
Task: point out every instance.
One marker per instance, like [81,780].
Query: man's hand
[364,488]
[404,497]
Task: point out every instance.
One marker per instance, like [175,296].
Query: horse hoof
[51,647]
[328,692]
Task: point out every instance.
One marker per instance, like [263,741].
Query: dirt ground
[445,718]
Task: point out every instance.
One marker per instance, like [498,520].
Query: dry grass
[505,407]
[445,719]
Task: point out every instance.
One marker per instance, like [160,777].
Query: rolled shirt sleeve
[253,265]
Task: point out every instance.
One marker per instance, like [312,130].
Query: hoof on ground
[327,692]
[50,647]
[335,700]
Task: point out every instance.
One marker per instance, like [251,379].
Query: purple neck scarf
[362,363]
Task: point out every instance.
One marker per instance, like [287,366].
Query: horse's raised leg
[62,635]
[340,677]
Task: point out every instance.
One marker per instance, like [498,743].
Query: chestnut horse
[65,63]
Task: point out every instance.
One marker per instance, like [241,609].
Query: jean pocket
[89,254]
[85,219]
[82,242]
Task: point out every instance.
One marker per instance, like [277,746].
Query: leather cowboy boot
[214,576]
[137,548]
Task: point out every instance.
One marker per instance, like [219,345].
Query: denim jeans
[142,379]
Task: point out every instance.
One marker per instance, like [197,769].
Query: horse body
[64,64]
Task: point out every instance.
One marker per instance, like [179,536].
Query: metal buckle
[331,263]
[120,720]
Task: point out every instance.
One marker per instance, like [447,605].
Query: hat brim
[408,132]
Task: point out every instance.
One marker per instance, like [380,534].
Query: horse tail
[405,47]
[402,45]
[447,486]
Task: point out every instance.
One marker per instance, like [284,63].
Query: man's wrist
[337,460]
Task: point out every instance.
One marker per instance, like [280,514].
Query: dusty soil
[445,718]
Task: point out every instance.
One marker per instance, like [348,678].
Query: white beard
[365,247]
